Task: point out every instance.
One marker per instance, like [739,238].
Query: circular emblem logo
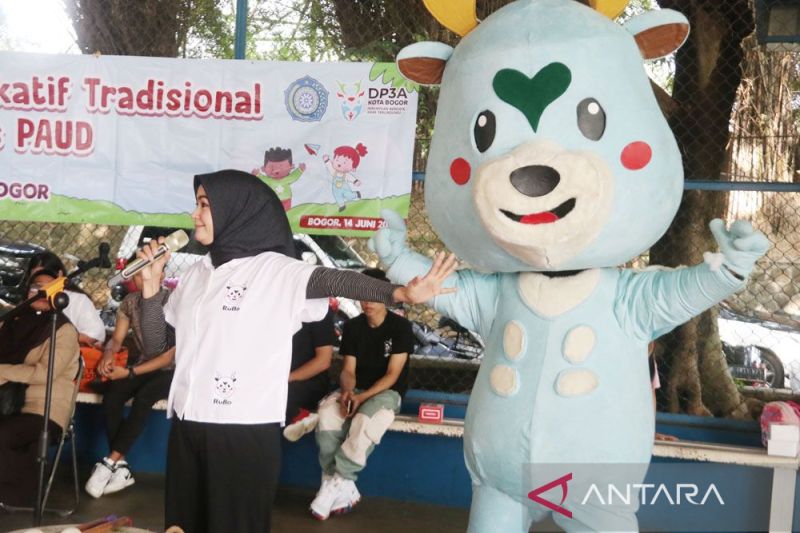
[306,99]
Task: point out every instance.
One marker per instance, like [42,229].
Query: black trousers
[19,438]
[221,477]
[145,390]
[305,394]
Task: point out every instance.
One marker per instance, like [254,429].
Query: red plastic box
[431,413]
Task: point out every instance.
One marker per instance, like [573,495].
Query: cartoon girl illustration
[345,161]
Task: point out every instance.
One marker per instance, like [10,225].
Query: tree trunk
[707,75]
[120,27]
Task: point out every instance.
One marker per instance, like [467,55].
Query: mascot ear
[659,32]
[424,62]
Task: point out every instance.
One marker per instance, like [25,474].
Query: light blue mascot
[550,165]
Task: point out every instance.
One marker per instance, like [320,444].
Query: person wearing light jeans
[375,348]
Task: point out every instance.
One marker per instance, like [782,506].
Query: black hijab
[248,217]
[23,333]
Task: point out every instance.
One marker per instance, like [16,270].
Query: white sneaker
[347,499]
[326,496]
[120,479]
[293,432]
[101,474]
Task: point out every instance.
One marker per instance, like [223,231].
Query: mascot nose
[535,180]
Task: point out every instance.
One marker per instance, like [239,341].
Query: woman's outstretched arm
[326,282]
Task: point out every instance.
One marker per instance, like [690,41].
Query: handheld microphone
[175,241]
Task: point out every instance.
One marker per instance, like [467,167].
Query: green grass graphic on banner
[76,210]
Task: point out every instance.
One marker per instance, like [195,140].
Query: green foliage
[293,30]
[209,29]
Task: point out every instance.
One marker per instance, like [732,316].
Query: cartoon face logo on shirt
[234,294]
[387,347]
[224,386]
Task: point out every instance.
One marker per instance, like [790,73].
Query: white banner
[117,140]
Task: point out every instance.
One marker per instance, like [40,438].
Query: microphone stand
[59,300]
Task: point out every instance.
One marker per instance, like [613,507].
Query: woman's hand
[420,290]
[151,274]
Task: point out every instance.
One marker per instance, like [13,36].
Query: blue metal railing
[709,185]
[762,186]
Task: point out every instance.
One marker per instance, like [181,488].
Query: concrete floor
[144,503]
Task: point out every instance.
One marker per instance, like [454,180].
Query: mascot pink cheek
[460,170]
[636,155]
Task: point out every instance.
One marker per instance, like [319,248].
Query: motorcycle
[754,365]
[450,339]
[759,352]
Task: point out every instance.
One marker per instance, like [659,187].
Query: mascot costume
[552,164]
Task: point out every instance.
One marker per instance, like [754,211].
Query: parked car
[14,260]
[760,352]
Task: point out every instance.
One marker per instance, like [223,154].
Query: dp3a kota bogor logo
[626,493]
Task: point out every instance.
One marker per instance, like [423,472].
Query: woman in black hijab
[24,355]
[234,314]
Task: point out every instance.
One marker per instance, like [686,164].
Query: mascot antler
[456,15]
[610,8]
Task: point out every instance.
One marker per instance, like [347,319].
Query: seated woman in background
[146,380]
[24,353]
[81,310]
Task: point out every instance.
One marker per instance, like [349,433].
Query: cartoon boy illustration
[345,160]
[279,173]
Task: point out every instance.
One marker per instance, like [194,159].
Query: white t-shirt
[84,316]
[234,327]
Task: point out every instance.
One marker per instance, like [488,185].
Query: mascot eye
[484,130]
[591,119]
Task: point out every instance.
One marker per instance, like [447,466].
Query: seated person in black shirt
[375,347]
[312,351]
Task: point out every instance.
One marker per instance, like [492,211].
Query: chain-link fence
[732,102]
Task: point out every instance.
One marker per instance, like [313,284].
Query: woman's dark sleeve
[326,282]
[157,335]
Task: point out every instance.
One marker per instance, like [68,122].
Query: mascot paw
[389,242]
[741,245]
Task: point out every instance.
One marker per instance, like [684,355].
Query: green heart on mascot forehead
[532,95]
